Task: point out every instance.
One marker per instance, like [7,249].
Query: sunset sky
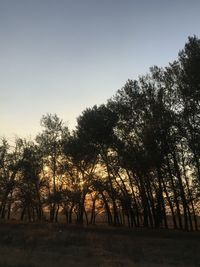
[61,56]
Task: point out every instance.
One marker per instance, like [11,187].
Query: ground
[48,245]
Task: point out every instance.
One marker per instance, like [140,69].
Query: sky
[62,56]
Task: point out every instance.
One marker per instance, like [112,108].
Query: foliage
[135,160]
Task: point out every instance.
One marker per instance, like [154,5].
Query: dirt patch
[39,245]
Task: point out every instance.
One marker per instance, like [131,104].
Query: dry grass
[42,245]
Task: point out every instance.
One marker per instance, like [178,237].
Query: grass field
[46,245]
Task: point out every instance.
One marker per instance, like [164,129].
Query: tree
[50,143]
[30,185]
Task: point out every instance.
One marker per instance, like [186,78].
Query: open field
[46,245]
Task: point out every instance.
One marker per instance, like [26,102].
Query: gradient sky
[61,56]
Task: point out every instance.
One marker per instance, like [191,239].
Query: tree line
[134,160]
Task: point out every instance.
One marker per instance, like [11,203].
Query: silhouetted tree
[50,143]
[137,158]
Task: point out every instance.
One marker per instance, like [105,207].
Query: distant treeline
[135,159]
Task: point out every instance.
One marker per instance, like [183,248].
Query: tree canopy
[133,161]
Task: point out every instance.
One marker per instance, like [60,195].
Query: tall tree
[50,142]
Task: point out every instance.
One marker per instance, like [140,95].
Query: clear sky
[61,56]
